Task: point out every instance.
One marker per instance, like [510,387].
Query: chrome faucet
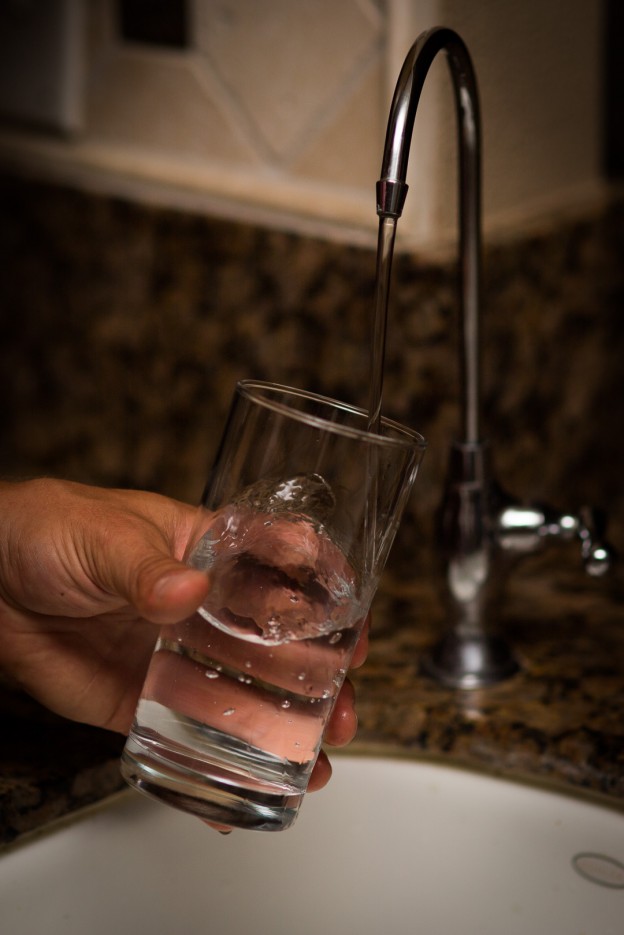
[480,526]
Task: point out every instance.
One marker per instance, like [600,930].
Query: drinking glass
[295,525]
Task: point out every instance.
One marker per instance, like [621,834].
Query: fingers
[222,829]
[302,667]
[361,650]
[340,731]
[167,592]
[131,548]
[342,725]
[252,713]
[321,774]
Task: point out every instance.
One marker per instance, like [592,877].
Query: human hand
[85,573]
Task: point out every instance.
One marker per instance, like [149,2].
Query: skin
[87,575]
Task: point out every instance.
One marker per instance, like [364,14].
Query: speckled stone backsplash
[126,327]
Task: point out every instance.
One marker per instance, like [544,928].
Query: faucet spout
[480,526]
[392,189]
[470,655]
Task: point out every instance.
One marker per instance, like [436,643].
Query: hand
[85,573]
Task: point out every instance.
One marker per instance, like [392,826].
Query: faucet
[480,526]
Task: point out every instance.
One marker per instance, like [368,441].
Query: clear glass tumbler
[296,522]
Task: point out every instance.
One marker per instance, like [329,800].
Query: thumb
[80,551]
[141,570]
[166,591]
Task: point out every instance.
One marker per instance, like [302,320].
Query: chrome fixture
[480,526]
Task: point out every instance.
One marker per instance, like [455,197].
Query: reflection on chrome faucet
[480,526]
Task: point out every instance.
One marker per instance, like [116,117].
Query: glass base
[214,794]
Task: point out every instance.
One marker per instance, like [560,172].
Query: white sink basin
[388,847]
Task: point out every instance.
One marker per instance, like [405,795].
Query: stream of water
[385,251]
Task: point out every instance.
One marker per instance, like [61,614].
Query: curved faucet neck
[392,189]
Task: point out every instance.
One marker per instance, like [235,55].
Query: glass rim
[254,389]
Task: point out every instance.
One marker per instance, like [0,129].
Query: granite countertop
[559,721]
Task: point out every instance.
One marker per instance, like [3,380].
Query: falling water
[385,250]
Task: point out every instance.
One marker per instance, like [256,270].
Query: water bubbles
[301,676]
[285,703]
[335,637]
[339,677]
[326,694]
[248,664]
[211,674]
[228,712]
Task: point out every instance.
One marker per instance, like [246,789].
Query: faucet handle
[524,528]
[597,554]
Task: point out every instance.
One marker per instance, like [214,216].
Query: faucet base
[470,662]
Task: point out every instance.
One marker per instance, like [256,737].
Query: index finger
[361,649]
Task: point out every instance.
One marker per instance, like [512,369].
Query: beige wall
[277,113]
